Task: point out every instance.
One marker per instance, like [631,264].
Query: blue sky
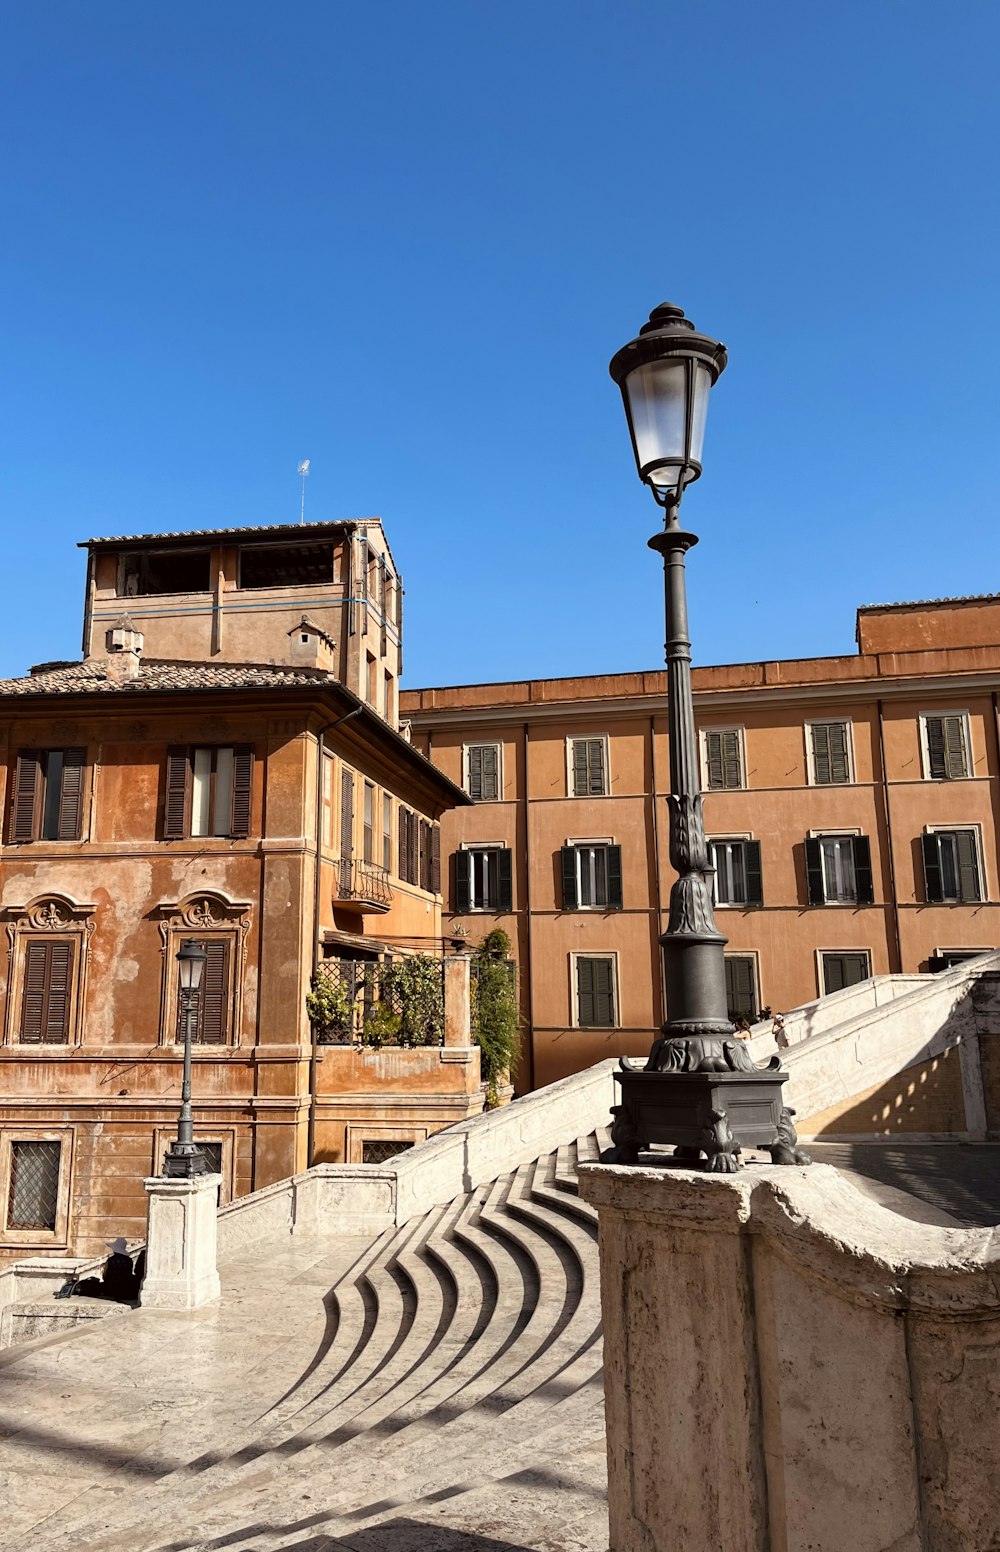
[404,240]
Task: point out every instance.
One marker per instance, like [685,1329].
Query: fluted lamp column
[699,1088]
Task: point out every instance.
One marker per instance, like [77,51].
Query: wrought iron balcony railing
[364,884]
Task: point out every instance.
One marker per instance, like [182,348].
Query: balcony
[363,886]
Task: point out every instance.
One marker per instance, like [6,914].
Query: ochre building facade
[223,764]
[851,804]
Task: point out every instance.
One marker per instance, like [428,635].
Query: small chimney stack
[124,647]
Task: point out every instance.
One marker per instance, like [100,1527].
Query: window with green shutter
[591,876]
[484,878]
[946,743]
[741,987]
[952,871]
[839,870]
[588,764]
[737,879]
[844,969]
[830,747]
[723,759]
[595,992]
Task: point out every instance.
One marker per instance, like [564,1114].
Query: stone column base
[181,1268]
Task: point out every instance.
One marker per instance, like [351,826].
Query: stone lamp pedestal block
[181,1267]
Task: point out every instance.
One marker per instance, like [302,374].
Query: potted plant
[496,1018]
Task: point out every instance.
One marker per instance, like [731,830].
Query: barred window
[33,1197]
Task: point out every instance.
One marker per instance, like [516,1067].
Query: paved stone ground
[436,1389]
[962,1179]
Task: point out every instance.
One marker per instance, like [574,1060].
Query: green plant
[381,1027]
[496,1020]
[329,1004]
[414,986]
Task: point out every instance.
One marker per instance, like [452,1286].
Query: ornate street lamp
[183,1158]
[699,1088]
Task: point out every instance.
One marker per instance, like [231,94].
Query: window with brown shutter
[947,746]
[723,759]
[208,791]
[214,997]
[47,802]
[830,746]
[588,767]
[45,995]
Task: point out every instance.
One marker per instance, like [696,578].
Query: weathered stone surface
[791,1367]
[181,1243]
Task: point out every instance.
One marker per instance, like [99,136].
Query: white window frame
[749,953]
[807,726]
[723,840]
[977,831]
[50,1239]
[925,759]
[609,953]
[483,743]
[571,739]
[728,727]
[820,979]
[955,948]
[480,910]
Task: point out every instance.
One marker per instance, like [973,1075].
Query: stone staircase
[456,1381]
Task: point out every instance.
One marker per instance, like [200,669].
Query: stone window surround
[204,913]
[741,741]
[47,1239]
[64,920]
[608,953]
[831,949]
[848,724]
[925,759]
[360,1132]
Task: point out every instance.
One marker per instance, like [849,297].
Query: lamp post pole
[699,1088]
[183,1159]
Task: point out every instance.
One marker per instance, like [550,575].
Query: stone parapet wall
[790,1365]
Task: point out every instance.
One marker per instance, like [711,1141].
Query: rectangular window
[483,879]
[952,866]
[47,802]
[46,993]
[723,757]
[214,1000]
[165,571]
[33,1193]
[390,697]
[946,745]
[839,870]
[369,830]
[741,987]
[591,876]
[286,565]
[951,958]
[387,832]
[840,970]
[371,682]
[482,772]
[208,791]
[829,748]
[596,991]
[409,846]
[588,767]
[737,878]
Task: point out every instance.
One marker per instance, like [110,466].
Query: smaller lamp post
[183,1158]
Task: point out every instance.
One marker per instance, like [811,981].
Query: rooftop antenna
[303,471]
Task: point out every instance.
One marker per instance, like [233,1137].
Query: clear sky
[403,240]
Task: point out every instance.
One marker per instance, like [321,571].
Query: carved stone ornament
[206,911]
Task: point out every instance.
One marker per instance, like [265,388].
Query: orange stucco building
[225,764]
[851,803]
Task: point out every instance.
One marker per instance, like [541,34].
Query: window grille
[379,1150]
[34,1185]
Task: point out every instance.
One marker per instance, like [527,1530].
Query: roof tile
[91,677]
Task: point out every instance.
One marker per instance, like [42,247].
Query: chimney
[311,647]
[124,648]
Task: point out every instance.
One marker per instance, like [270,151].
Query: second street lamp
[184,1158]
[699,1088]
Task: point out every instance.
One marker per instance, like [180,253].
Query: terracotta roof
[298,529]
[925,603]
[91,677]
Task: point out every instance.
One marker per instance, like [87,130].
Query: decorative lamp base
[184,1160]
[714,1115]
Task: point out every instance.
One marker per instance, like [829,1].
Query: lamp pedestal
[181,1266]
